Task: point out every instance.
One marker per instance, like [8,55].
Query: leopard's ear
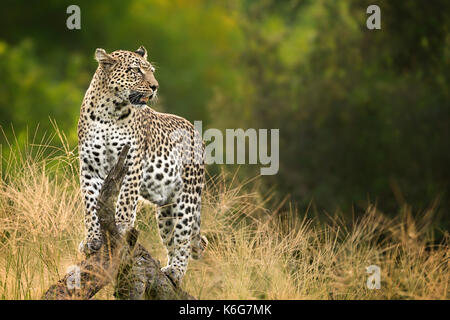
[142,52]
[104,59]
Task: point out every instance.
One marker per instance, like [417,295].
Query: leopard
[165,161]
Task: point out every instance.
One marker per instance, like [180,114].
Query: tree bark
[121,258]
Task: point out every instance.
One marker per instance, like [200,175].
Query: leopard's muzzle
[139,98]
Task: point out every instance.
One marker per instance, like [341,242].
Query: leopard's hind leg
[199,242]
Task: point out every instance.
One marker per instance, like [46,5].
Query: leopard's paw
[173,274]
[89,246]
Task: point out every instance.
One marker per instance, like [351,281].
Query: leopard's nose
[154,87]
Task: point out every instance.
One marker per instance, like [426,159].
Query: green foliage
[29,95]
[363,115]
[360,118]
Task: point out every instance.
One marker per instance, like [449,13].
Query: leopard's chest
[104,143]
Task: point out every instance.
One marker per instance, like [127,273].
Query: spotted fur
[165,161]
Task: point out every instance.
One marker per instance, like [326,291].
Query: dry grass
[254,252]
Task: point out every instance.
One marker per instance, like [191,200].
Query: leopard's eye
[152,69]
[135,69]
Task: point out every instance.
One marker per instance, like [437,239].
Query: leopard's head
[128,75]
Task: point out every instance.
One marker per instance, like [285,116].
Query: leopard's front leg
[129,192]
[91,182]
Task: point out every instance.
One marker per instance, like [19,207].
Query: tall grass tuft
[255,252]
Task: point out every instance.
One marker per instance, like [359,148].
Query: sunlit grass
[255,252]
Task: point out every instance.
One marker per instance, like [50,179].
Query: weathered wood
[141,279]
[137,274]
